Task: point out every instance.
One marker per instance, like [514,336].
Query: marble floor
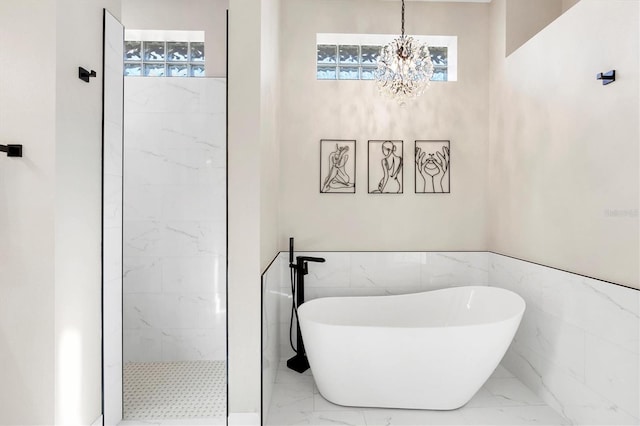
[503,400]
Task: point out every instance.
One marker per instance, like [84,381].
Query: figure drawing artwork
[337,166]
[433,163]
[386,166]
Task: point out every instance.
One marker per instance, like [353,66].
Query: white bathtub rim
[518,314]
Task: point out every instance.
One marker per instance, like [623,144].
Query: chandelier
[404,68]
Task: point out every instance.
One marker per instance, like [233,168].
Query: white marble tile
[504,393]
[501,373]
[112,209]
[192,238]
[292,397]
[599,308]
[142,274]
[213,100]
[188,274]
[143,201]
[385,417]
[522,277]
[192,311]
[112,249]
[112,217]
[194,344]
[547,334]
[141,345]
[568,396]
[193,202]
[175,228]
[521,415]
[614,373]
[334,272]
[446,269]
[113,148]
[577,345]
[143,311]
[142,238]
[385,269]
[345,417]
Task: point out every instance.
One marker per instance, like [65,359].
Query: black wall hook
[84,74]
[12,150]
[607,77]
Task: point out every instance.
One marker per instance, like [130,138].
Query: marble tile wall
[577,347]
[175,224]
[578,344]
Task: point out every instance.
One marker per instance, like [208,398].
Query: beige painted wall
[568,4]
[525,18]
[564,156]
[312,110]
[27,187]
[188,15]
[270,84]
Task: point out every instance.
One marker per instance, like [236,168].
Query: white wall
[312,110]
[243,135]
[252,218]
[270,84]
[564,166]
[78,211]
[27,185]
[209,16]
[51,212]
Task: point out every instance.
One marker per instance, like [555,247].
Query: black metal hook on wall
[84,74]
[12,150]
[607,77]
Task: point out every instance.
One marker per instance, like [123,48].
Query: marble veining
[175,224]
[577,346]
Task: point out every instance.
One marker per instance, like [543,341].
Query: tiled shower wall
[175,225]
[577,346]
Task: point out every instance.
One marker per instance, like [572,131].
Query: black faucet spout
[309,259]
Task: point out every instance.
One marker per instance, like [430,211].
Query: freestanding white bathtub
[430,350]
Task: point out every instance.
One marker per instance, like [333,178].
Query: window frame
[344,39]
[165,37]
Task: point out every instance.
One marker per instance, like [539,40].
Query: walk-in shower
[165,214]
[174,286]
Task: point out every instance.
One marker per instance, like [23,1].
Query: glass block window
[355,56]
[164,59]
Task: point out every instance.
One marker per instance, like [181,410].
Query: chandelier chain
[402,18]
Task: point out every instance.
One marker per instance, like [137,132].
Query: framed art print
[433,167]
[385,166]
[337,166]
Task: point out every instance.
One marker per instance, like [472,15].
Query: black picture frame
[385,166]
[337,166]
[432,160]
